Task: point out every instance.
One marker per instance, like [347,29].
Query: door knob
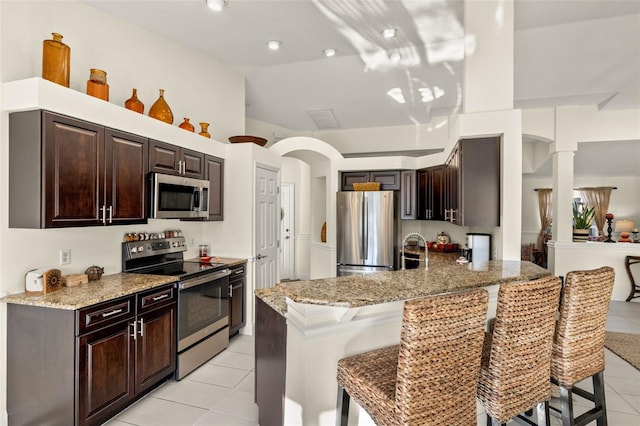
[258,257]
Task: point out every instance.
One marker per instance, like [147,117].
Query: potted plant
[582,221]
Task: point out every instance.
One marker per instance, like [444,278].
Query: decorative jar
[205,130]
[97,84]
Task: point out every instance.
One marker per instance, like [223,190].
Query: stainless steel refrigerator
[366,229]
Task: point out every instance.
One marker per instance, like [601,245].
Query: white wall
[196,86]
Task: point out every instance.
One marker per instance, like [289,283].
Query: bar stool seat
[430,378]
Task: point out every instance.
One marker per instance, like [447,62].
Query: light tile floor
[220,393]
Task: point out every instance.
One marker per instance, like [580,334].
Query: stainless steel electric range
[203,297]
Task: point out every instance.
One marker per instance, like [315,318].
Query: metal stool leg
[599,399]
[342,411]
[566,406]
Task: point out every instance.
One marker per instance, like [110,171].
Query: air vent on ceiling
[324,119]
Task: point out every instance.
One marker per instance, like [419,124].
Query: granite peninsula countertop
[109,287]
[383,287]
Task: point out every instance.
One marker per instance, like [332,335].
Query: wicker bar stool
[516,356]
[578,344]
[430,378]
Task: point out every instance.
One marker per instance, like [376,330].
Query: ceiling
[567,52]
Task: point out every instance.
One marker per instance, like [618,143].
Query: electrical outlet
[65,256]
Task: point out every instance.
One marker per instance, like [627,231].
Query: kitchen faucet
[426,250]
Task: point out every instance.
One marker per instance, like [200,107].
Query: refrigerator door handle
[365,224]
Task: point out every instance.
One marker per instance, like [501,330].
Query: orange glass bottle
[160,110]
[133,103]
[186,125]
[56,57]
[97,84]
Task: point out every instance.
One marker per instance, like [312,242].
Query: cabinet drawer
[105,314]
[157,297]
[237,272]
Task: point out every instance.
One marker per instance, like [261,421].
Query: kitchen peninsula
[304,328]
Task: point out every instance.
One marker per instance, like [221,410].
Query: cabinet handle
[110,214]
[141,327]
[453,219]
[446,216]
[164,296]
[183,168]
[108,314]
[103,215]
[135,328]
[230,291]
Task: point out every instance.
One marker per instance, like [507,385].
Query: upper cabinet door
[73,172]
[192,164]
[214,173]
[163,158]
[389,179]
[126,177]
[349,178]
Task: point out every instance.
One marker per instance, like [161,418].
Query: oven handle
[204,279]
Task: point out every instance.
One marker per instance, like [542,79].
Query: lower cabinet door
[236,307]
[105,373]
[155,346]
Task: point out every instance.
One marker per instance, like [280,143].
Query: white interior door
[287,219]
[266,230]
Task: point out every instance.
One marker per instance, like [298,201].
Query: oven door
[203,307]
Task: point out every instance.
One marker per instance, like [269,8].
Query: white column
[562,196]
[488,67]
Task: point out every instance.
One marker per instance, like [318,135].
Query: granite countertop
[109,287]
[382,287]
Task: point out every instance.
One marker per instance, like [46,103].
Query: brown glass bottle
[97,84]
[133,103]
[186,125]
[160,110]
[56,57]
[204,130]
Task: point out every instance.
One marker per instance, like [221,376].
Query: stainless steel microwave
[177,197]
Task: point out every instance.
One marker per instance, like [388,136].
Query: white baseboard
[4,419]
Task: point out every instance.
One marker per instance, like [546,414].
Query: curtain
[546,213]
[598,198]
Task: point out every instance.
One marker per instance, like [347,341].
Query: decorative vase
[133,103]
[205,130]
[160,110]
[97,84]
[580,235]
[56,60]
[186,125]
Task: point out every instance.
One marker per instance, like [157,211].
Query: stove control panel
[139,249]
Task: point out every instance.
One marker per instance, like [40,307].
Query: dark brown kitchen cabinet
[408,195]
[431,193]
[214,173]
[473,183]
[66,172]
[175,160]
[123,348]
[389,179]
[237,282]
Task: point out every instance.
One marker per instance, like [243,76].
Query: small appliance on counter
[478,247]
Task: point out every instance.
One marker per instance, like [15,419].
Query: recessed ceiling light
[274,44]
[389,33]
[216,5]
[329,52]
[394,57]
